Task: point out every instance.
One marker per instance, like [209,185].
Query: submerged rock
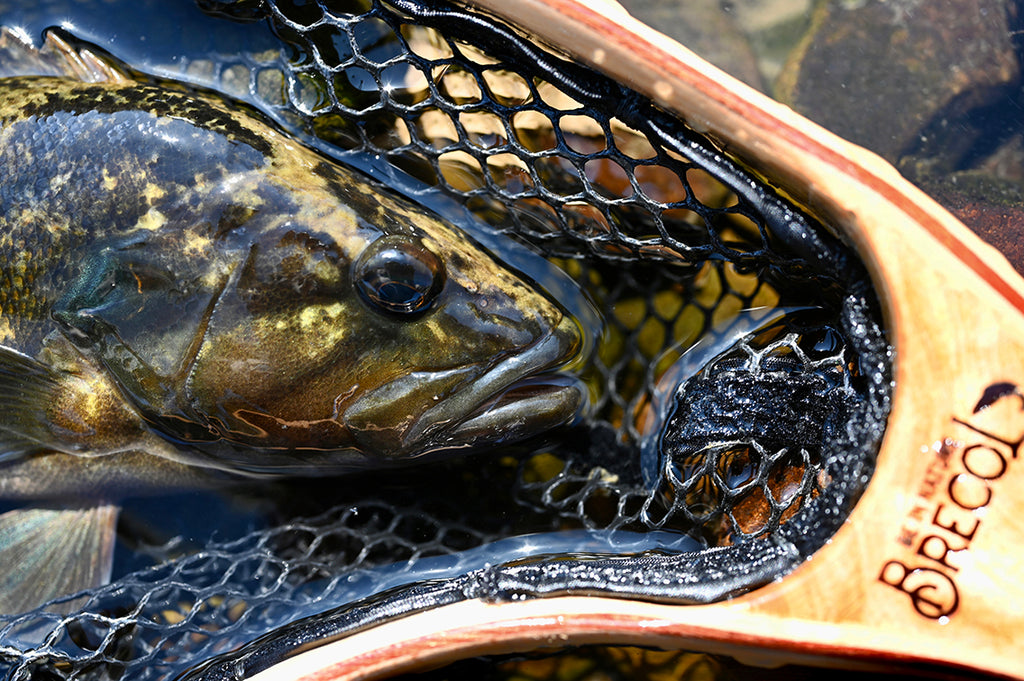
[991,206]
[881,72]
[773,28]
[704,27]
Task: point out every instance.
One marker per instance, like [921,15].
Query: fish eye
[399,275]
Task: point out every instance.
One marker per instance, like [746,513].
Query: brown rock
[992,208]
[704,27]
[879,72]
[774,27]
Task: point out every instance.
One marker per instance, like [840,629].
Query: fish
[189,295]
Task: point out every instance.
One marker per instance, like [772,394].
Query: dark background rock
[880,72]
[773,28]
[706,28]
[992,207]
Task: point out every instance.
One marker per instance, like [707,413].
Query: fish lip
[460,420]
[526,407]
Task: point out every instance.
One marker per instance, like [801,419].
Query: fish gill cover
[739,383]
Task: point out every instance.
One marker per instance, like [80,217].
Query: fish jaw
[526,408]
[511,400]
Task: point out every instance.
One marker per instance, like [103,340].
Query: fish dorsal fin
[27,388]
[19,57]
[48,552]
[84,62]
[57,57]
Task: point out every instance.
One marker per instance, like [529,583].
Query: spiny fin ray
[57,57]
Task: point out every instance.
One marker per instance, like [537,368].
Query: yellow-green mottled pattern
[87,163]
[193,267]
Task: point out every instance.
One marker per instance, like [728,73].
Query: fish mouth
[523,409]
[512,400]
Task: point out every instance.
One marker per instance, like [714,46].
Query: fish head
[352,332]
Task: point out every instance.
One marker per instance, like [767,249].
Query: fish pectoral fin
[27,388]
[69,407]
[47,552]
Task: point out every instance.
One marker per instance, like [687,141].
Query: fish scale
[54,207]
[192,298]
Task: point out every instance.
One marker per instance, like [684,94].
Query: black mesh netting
[739,374]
